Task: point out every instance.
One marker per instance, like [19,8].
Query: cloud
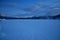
[40,8]
[44,8]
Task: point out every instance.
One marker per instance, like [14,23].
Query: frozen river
[29,30]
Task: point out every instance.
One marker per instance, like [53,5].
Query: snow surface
[30,30]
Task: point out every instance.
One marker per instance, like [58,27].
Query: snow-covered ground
[30,30]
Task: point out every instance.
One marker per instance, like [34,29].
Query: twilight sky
[29,7]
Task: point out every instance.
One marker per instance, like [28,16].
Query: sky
[29,7]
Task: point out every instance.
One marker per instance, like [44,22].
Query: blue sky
[29,7]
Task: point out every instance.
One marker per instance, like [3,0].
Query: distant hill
[34,17]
